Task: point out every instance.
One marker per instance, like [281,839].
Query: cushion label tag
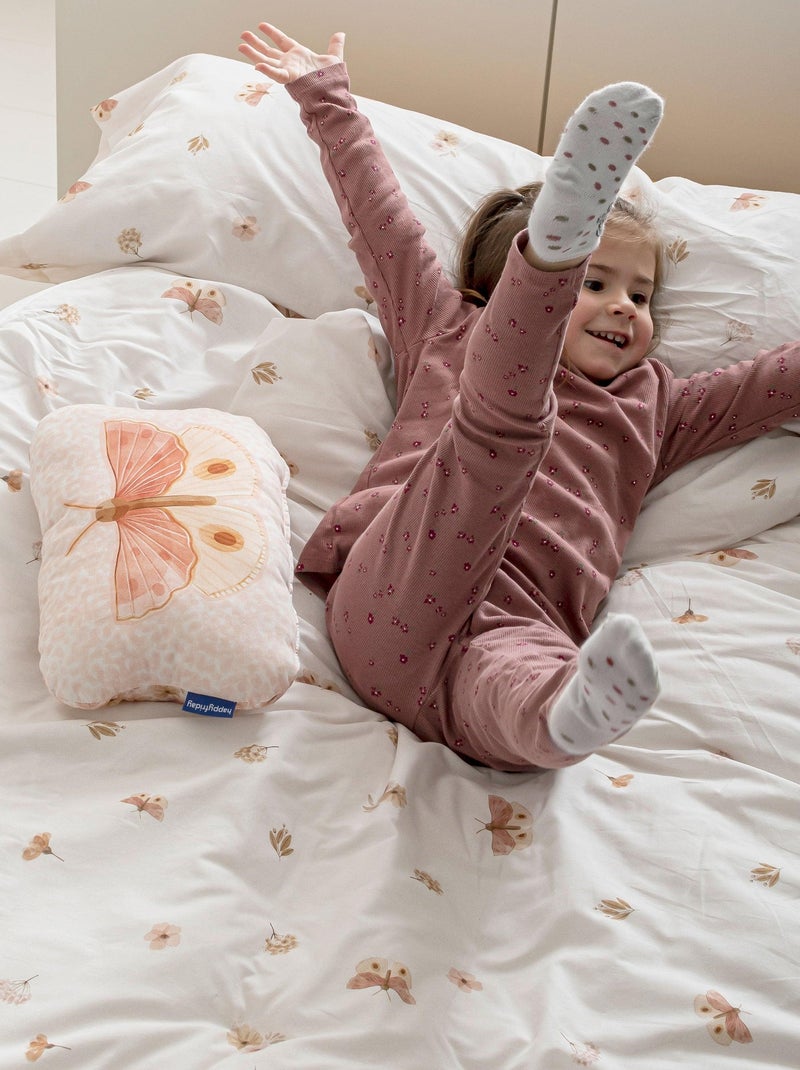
[208,705]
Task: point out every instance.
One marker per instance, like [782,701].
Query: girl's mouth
[619,340]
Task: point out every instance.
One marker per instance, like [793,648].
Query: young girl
[465,569]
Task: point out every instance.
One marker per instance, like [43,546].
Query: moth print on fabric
[376,973]
[209,302]
[724,1024]
[510,824]
[171,530]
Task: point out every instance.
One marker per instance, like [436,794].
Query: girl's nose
[622,305]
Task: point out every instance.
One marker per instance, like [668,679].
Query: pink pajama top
[611,442]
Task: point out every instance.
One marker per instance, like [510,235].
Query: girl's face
[611,326]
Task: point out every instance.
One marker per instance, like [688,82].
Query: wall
[728,68]
[443,57]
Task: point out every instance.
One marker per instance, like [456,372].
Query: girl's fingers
[336,45]
[283,42]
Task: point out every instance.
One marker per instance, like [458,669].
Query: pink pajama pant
[416,615]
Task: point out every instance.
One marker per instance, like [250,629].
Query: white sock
[601,143]
[616,684]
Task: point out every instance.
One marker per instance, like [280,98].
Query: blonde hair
[501,216]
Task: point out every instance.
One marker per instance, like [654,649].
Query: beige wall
[728,68]
[448,58]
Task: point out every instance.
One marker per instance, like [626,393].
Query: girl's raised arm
[288,60]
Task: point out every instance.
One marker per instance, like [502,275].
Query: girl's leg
[524,697]
[417,574]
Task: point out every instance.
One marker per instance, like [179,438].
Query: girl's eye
[640,299]
[593,284]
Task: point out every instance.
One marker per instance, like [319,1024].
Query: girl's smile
[611,326]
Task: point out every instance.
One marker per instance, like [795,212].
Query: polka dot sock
[601,143]
[616,684]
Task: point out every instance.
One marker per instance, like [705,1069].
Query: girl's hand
[288,60]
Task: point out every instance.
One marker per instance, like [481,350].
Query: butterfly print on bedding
[207,301]
[510,824]
[171,531]
[375,973]
[724,1024]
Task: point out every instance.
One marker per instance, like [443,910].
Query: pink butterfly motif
[510,824]
[216,546]
[253,93]
[725,1025]
[74,190]
[209,302]
[154,805]
[375,973]
[103,110]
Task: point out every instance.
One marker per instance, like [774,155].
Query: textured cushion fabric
[165,561]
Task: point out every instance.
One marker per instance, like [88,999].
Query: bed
[303,884]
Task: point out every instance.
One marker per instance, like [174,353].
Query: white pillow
[165,566]
[324,390]
[733,272]
[207,169]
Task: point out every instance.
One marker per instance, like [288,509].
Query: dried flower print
[144,393]
[280,944]
[794,644]
[373,439]
[13,480]
[16,991]
[39,1045]
[197,144]
[154,805]
[246,1039]
[583,1054]
[130,241]
[105,728]
[246,228]
[445,143]
[67,314]
[737,331]
[426,879]
[464,981]
[266,372]
[510,824]
[40,845]
[281,841]
[253,753]
[617,909]
[724,1024]
[376,973]
[678,250]
[765,874]
[764,488]
[393,793]
[163,935]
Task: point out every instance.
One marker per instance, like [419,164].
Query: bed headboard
[726,67]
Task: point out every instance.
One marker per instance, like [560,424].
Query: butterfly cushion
[166,570]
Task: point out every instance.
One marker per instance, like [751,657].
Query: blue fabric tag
[208,706]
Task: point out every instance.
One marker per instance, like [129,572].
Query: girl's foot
[601,143]
[616,684]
